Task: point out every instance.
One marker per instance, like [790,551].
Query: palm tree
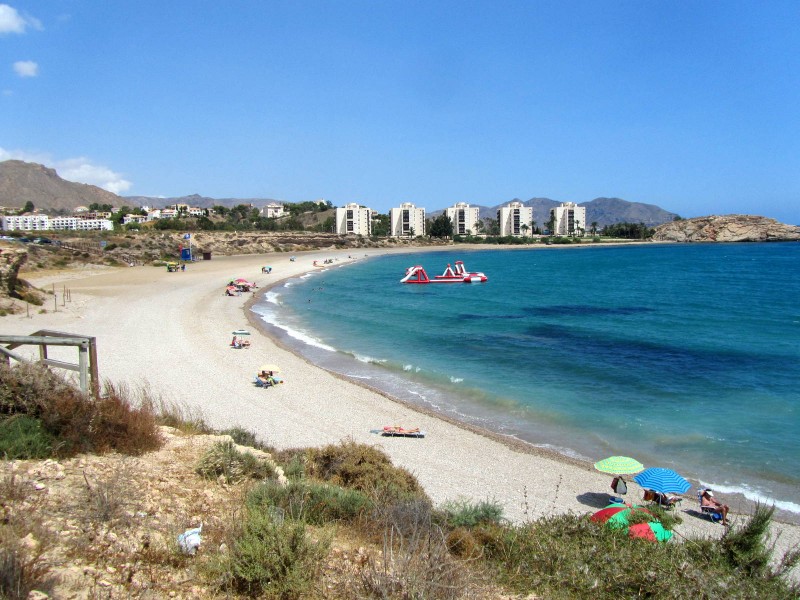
[524,227]
[594,227]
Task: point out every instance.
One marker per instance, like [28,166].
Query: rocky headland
[726,228]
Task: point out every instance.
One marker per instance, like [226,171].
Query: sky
[693,106]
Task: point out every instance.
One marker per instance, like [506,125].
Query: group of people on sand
[708,503]
[267,378]
[237,342]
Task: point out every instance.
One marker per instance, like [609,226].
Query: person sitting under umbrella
[707,500]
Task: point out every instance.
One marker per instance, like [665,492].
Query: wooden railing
[87,354]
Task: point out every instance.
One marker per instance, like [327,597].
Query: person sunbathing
[707,500]
[661,499]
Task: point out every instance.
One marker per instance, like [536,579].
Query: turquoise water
[684,356]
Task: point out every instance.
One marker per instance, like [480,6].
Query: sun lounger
[396,431]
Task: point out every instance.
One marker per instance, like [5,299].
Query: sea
[681,356]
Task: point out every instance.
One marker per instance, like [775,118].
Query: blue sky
[693,106]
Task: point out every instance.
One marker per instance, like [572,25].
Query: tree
[441,227]
[594,227]
[27,208]
[524,227]
[551,223]
[380,225]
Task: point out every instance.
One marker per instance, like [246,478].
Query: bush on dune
[70,420]
[361,467]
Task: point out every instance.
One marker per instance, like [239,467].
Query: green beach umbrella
[619,465]
[616,515]
[653,531]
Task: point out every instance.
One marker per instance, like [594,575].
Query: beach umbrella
[241,332]
[619,465]
[665,481]
[616,515]
[269,367]
[653,531]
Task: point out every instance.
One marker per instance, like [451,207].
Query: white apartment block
[354,219]
[512,217]
[45,223]
[569,219]
[406,220]
[464,217]
[26,223]
[78,224]
[273,210]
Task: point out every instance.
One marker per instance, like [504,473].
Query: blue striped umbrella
[665,481]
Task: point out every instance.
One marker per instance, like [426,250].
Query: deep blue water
[685,356]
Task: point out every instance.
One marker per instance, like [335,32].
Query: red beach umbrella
[616,515]
[653,531]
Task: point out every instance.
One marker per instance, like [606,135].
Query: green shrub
[463,513]
[224,460]
[244,437]
[363,468]
[571,557]
[76,422]
[272,558]
[23,437]
[315,503]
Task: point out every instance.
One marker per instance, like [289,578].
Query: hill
[605,211]
[726,228]
[195,200]
[21,182]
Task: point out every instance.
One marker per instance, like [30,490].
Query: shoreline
[743,503]
[171,332]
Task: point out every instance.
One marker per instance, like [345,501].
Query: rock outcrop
[726,228]
[11,259]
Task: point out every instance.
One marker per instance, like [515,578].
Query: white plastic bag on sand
[189,540]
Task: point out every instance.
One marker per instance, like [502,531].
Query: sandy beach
[171,332]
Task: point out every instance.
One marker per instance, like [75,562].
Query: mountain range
[21,182]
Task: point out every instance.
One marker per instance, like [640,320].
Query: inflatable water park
[457,274]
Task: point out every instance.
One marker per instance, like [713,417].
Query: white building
[512,217]
[78,224]
[569,219]
[45,223]
[134,219]
[464,218]
[406,221]
[273,210]
[354,219]
[26,223]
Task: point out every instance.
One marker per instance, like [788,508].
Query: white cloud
[79,170]
[83,170]
[13,22]
[26,68]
